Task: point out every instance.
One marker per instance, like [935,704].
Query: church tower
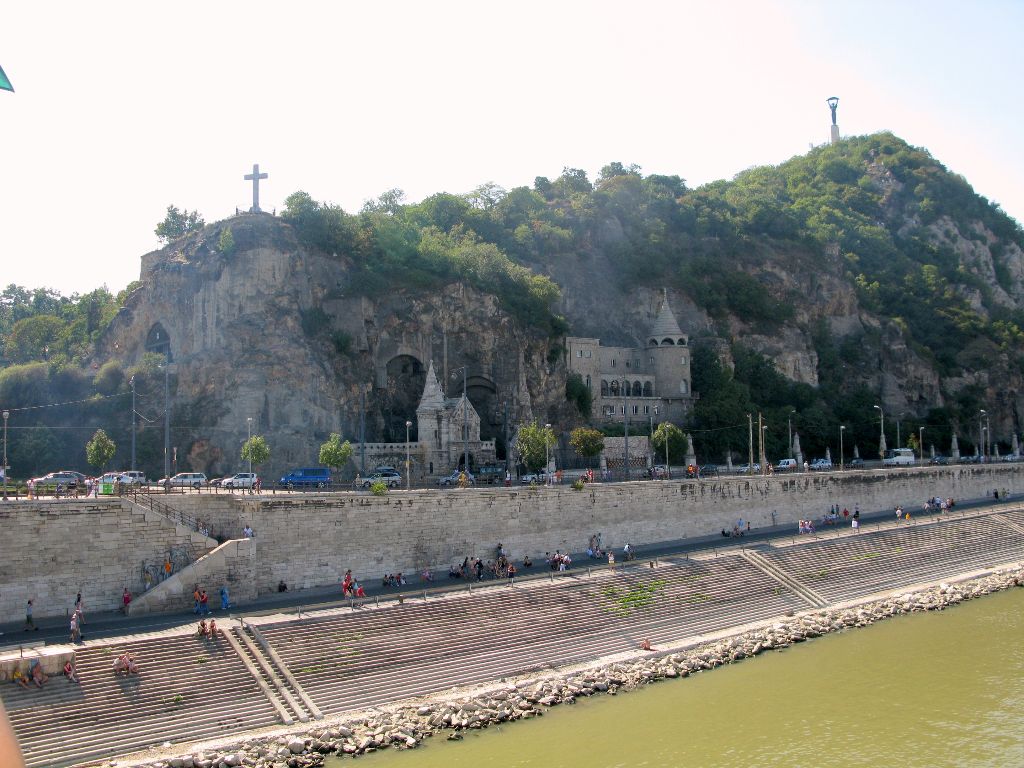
[430,412]
[669,348]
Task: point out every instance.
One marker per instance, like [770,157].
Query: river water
[931,690]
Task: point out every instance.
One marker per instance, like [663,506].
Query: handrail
[143,496]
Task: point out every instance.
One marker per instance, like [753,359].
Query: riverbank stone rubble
[407,727]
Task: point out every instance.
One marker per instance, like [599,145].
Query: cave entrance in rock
[405,379]
[483,395]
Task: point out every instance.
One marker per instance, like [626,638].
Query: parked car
[856,463]
[185,480]
[239,480]
[390,477]
[1011,457]
[939,460]
[307,477]
[133,477]
[453,478]
[658,471]
[64,479]
[819,465]
[786,465]
[540,478]
[215,482]
[748,469]
[709,470]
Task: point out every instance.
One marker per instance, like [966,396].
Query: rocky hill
[861,273]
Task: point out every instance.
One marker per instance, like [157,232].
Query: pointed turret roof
[432,396]
[665,324]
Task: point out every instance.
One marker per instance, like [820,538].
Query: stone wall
[310,540]
[52,549]
[231,565]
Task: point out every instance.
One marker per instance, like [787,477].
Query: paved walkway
[112,624]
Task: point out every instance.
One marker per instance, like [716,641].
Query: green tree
[533,444]
[178,224]
[256,450]
[677,444]
[579,394]
[587,442]
[334,453]
[226,242]
[99,450]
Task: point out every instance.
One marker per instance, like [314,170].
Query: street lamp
[407,478]
[981,435]
[625,426]
[167,418]
[763,457]
[789,423]
[842,459]
[899,443]
[6,416]
[920,443]
[547,457]
[248,421]
[132,382]
[881,439]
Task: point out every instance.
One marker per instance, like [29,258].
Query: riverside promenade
[286,665]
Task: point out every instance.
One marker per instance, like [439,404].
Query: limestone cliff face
[274,333]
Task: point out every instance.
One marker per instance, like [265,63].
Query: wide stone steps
[187,688]
[366,656]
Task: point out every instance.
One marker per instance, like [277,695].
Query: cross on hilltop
[255,177]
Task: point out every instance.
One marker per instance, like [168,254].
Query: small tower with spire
[439,426]
[669,348]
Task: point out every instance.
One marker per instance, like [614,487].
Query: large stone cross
[255,177]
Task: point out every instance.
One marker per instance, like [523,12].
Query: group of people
[393,580]
[126,663]
[35,675]
[938,504]
[560,561]
[207,630]
[350,587]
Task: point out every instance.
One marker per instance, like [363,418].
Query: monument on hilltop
[255,177]
[833,103]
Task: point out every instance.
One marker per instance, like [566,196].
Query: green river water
[931,690]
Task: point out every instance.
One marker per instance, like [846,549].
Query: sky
[123,108]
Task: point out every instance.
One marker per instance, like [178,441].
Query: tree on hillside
[99,450]
[226,242]
[178,223]
[587,442]
[534,444]
[579,394]
[256,450]
[334,453]
[677,445]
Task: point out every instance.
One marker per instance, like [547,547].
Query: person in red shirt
[204,602]
[126,598]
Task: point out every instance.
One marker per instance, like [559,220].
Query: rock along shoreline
[406,726]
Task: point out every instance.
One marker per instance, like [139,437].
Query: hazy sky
[123,108]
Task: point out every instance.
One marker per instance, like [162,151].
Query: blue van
[307,477]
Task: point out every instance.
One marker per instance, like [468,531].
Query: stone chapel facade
[440,422]
[651,382]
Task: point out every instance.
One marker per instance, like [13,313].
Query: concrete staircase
[189,688]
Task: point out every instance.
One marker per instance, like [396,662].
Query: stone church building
[650,383]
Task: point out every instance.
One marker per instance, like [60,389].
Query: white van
[899,457]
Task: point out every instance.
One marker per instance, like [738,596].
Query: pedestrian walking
[29,623]
[856,525]
[76,633]
[80,608]
[126,600]
[195,600]
[204,602]
[224,602]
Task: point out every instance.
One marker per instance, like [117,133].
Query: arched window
[652,343]
[648,389]
[604,388]
[615,389]
[667,342]
[684,386]
[638,389]
[681,343]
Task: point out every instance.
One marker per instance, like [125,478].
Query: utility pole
[465,424]
[760,443]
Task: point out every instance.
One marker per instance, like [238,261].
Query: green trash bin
[106,489]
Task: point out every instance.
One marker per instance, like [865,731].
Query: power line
[93,399]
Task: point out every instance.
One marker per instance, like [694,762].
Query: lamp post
[547,455]
[899,443]
[167,418]
[881,439]
[625,426]
[763,457]
[132,382]
[920,443]
[789,423]
[7,415]
[981,435]
[408,480]
[842,458]
[248,421]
